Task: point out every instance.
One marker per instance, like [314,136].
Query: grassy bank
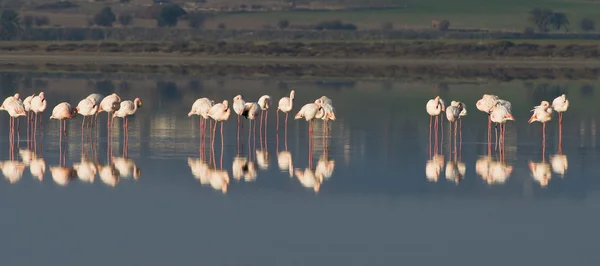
[344,50]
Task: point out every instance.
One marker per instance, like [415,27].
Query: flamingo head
[138,102]
[226,103]
[292,95]
[545,104]
[237,97]
[42,95]
[74,112]
[16,96]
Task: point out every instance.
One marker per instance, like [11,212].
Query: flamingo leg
[277,128]
[286,118]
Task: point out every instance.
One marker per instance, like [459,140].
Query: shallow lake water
[357,195]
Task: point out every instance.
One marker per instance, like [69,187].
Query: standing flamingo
[485,104]
[62,112]
[109,104]
[264,102]
[15,109]
[251,112]
[309,112]
[285,105]
[542,113]
[434,108]
[327,112]
[86,107]
[27,104]
[453,114]
[96,98]
[238,107]
[560,105]
[9,99]
[127,109]
[501,114]
[201,107]
[38,106]
[219,112]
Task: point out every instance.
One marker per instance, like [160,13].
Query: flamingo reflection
[109,175]
[36,164]
[433,168]
[491,171]
[540,171]
[12,170]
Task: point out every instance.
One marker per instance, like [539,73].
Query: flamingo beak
[510,117]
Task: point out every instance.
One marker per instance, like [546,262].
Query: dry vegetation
[427,50]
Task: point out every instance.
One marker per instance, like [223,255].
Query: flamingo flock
[499,112]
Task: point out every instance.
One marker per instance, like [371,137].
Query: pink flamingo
[109,104]
[85,108]
[238,107]
[285,105]
[62,112]
[264,102]
[542,113]
[500,114]
[38,106]
[309,112]
[219,112]
[434,108]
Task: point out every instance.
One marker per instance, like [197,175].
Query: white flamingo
[285,105]
[501,114]
[250,112]
[62,112]
[560,105]
[38,106]
[85,108]
[309,112]
[219,112]
[127,108]
[109,104]
[27,105]
[265,103]
[238,107]
[434,108]
[201,107]
[542,113]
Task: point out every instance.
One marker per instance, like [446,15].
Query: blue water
[374,206]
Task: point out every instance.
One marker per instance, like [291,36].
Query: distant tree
[587,24]
[283,24]
[105,17]
[444,25]
[41,21]
[27,21]
[9,24]
[169,15]
[196,19]
[125,19]
[222,26]
[541,18]
[559,20]
[387,26]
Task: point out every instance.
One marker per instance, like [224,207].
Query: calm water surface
[359,195]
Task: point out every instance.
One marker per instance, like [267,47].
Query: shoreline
[170,59]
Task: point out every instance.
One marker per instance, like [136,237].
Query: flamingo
[485,104]
[96,99]
[264,102]
[285,105]
[15,109]
[560,105]
[201,107]
[542,113]
[434,108]
[9,99]
[127,108]
[327,112]
[309,112]
[251,112]
[238,107]
[109,104]
[27,104]
[219,112]
[500,114]
[62,112]
[86,107]
[38,106]
[453,114]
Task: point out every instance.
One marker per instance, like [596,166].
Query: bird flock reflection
[493,167]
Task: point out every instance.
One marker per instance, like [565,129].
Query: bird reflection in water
[492,171]
[308,177]
[109,174]
[540,172]
[206,173]
[284,158]
[12,170]
[559,161]
[433,167]
[36,164]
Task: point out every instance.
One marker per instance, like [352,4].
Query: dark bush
[444,25]
[41,21]
[587,24]
[169,15]
[335,25]
[125,19]
[105,17]
[196,20]
[283,24]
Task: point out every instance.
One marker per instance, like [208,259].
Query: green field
[491,14]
